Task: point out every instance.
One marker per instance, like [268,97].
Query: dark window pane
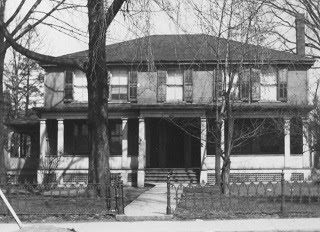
[115,133]
[296,136]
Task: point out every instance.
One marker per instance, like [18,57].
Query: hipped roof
[190,48]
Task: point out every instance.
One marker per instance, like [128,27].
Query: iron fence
[277,197]
[56,199]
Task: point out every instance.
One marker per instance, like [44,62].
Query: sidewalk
[261,225]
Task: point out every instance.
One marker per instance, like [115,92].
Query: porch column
[60,142]
[204,171]
[306,150]
[124,160]
[43,148]
[142,153]
[43,139]
[286,143]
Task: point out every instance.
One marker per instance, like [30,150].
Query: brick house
[161,109]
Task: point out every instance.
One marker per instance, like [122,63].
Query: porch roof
[267,109]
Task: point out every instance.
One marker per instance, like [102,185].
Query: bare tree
[27,17]
[100,17]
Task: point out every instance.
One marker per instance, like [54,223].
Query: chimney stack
[300,35]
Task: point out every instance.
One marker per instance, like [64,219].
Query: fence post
[282,209]
[116,197]
[122,197]
[168,195]
[9,196]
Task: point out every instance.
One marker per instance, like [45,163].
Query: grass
[249,200]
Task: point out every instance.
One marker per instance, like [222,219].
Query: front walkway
[150,205]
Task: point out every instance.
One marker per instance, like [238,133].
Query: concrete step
[177,175]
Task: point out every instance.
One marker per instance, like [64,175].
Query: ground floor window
[296,136]
[20,145]
[212,137]
[258,136]
[115,136]
[76,137]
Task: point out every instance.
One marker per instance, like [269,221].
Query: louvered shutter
[282,84]
[255,84]
[161,93]
[109,85]
[133,81]
[244,84]
[188,85]
[68,87]
[217,83]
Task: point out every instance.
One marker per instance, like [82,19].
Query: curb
[126,218]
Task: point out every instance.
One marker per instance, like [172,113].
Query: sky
[125,26]
[177,19]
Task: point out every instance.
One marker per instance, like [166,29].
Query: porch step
[177,175]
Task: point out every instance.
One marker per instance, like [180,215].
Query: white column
[124,160]
[142,153]
[286,143]
[60,142]
[306,150]
[43,149]
[204,171]
[43,138]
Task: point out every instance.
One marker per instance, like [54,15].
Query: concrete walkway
[260,225]
[150,205]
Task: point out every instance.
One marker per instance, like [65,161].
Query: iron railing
[278,197]
[56,199]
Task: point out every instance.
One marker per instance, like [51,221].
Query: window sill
[256,154]
[77,155]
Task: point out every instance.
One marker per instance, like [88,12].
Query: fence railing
[51,198]
[278,197]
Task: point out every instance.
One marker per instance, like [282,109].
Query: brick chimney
[300,35]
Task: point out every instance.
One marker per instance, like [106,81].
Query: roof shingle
[189,48]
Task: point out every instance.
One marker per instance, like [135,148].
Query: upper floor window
[119,85]
[266,84]
[123,85]
[175,85]
[250,85]
[68,87]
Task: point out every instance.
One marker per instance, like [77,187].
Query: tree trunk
[97,77]
[225,175]
[3,170]
[229,123]
[218,154]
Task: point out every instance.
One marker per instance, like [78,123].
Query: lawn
[248,200]
[67,204]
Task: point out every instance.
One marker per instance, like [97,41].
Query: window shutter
[255,84]
[283,85]
[188,85]
[109,85]
[244,84]
[133,81]
[161,93]
[68,87]
[218,82]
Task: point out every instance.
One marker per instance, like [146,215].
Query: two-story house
[162,107]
